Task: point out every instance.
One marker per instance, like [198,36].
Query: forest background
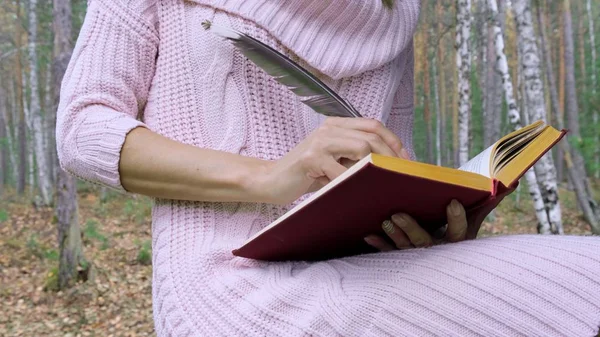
[75,258]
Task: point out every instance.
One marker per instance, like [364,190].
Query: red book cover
[326,228]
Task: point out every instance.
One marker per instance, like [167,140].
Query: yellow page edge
[432,172]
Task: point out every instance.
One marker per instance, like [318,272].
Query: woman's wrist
[254,181]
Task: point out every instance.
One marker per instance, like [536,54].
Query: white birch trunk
[536,107]
[594,85]
[463,63]
[35,115]
[29,144]
[438,115]
[514,119]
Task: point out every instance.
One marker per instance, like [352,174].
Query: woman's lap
[512,285]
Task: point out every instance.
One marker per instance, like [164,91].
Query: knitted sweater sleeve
[400,120]
[105,87]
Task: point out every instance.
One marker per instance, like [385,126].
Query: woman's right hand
[325,154]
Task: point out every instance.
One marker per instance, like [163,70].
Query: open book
[333,221]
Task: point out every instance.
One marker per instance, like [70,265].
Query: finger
[379,243]
[371,126]
[374,141]
[332,169]
[457,222]
[415,233]
[398,236]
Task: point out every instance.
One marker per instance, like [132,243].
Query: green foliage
[34,247]
[91,232]
[100,209]
[39,250]
[144,255]
[3,215]
[51,281]
[138,209]
[51,255]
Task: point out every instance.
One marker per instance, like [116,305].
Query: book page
[480,164]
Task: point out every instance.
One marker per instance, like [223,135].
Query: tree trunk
[438,115]
[582,196]
[591,33]
[72,263]
[514,119]
[455,94]
[570,85]
[530,64]
[426,98]
[488,113]
[582,71]
[21,133]
[9,140]
[463,63]
[50,126]
[480,43]
[589,207]
[441,84]
[35,112]
[497,88]
[573,114]
[3,145]
[30,151]
[561,89]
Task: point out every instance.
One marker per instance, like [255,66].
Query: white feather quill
[312,91]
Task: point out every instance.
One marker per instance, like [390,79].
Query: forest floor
[117,240]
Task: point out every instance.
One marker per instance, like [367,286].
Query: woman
[153,104]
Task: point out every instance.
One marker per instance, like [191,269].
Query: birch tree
[514,118]
[575,159]
[20,116]
[29,152]
[493,85]
[69,234]
[438,119]
[536,107]
[463,64]
[35,116]
[3,144]
[594,86]
[426,97]
[441,86]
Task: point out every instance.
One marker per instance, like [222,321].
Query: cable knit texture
[148,63]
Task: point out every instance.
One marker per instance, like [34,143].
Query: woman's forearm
[156,166]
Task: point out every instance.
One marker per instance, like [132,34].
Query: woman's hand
[405,232]
[325,154]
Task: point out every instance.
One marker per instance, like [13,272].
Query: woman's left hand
[406,233]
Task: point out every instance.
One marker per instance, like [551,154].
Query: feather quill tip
[221,31]
[206,24]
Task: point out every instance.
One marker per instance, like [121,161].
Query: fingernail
[369,240]
[455,207]
[399,220]
[388,227]
[404,154]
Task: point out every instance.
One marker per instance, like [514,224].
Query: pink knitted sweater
[148,63]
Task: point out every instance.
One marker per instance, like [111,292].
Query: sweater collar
[339,38]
